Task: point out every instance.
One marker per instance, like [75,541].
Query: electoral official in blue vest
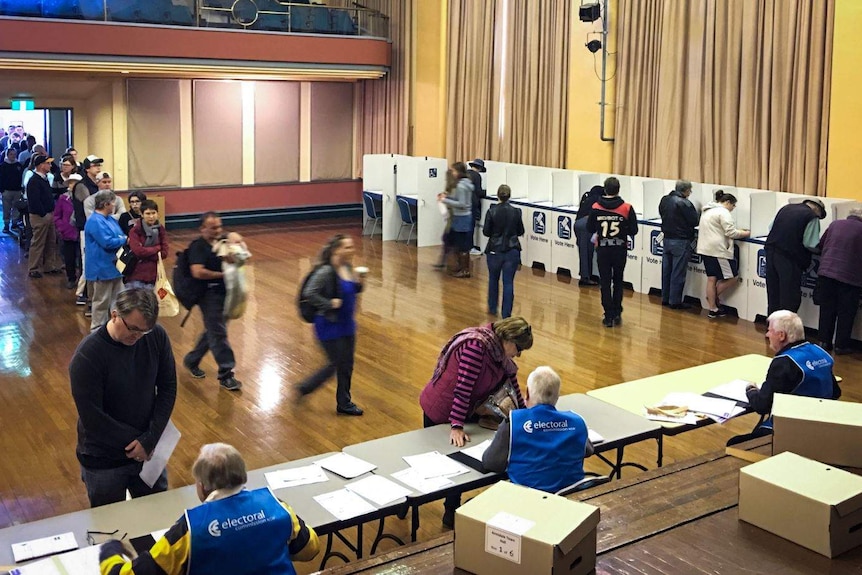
[540,447]
[235,531]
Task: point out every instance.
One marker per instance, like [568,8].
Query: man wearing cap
[794,236]
[477,168]
[40,200]
[90,169]
[104,181]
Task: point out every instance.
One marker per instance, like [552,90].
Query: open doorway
[51,127]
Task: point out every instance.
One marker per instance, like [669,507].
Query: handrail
[269,15]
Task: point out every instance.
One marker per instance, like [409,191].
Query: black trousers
[339,352]
[839,303]
[71,251]
[783,282]
[214,337]
[612,264]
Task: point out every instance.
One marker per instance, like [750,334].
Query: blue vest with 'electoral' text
[816,366]
[547,448]
[246,534]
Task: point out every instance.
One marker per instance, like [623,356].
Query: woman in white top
[716,233]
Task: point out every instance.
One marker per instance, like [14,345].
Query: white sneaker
[475,252]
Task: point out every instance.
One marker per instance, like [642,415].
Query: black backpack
[187,289]
[306,309]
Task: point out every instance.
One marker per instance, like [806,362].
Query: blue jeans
[106,486]
[586,249]
[674,264]
[505,264]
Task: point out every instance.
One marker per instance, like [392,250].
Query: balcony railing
[267,15]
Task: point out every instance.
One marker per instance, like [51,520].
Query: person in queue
[205,540]
[798,368]
[503,226]
[541,448]
[472,365]
[147,240]
[839,279]
[130,218]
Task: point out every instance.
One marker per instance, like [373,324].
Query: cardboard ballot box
[515,530]
[821,429]
[810,503]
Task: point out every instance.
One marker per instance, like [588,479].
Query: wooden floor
[407,313]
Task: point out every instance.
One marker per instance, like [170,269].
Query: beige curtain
[217,125]
[154,133]
[534,63]
[470,112]
[382,107]
[276,132]
[331,123]
[732,92]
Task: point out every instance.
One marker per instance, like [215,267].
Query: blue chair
[21,7]
[371,212]
[182,16]
[342,23]
[408,218]
[92,9]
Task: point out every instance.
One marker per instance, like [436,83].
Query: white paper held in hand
[153,468]
[734,390]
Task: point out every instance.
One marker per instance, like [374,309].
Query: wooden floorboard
[407,313]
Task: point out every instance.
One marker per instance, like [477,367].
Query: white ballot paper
[153,468]
[716,408]
[344,504]
[345,465]
[304,475]
[477,451]
[84,560]
[378,489]
[412,479]
[45,546]
[734,390]
[433,464]
[594,436]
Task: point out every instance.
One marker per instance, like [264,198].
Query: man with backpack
[205,266]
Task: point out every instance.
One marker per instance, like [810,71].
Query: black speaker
[590,12]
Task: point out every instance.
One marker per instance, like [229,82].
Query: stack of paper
[378,489]
[594,436]
[297,476]
[719,410]
[35,548]
[478,450]
[84,560]
[344,504]
[434,464]
[346,466]
[412,479]
[734,390]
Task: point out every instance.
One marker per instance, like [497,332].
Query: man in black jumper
[794,235]
[124,383]
[40,199]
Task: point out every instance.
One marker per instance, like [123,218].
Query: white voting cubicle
[378,179]
[537,215]
[566,194]
[419,180]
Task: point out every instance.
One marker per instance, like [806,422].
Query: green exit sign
[22,105]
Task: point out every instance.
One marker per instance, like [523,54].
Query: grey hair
[103,198]
[138,299]
[788,322]
[544,385]
[219,466]
[682,186]
[857,212]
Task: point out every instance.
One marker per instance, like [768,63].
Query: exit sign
[22,105]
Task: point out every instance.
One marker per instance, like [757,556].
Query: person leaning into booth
[472,365]
[798,368]
[265,538]
[541,448]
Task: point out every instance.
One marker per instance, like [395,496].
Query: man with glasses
[124,384]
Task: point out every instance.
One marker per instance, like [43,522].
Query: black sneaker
[35,275]
[196,372]
[352,409]
[618,321]
[89,311]
[608,321]
[230,383]
[714,313]
[81,300]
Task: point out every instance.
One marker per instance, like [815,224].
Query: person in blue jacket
[540,447]
[102,238]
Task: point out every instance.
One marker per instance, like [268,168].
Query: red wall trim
[89,38]
[259,197]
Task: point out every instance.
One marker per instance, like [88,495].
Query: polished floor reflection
[407,313]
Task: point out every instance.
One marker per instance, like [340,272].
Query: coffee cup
[361,270]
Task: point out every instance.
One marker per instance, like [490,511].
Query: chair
[590,480]
[759,431]
[21,8]
[371,212]
[61,9]
[408,218]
